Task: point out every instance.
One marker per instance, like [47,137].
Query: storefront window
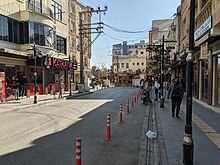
[204,79]
[39,75]
[51,76]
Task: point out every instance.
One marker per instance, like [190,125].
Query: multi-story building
[128,61]
[74,36]
[207,48]
[40,24]
[207,35]
[26,25]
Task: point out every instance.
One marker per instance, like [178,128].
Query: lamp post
[34,56]
[70,70]
[188,143]
[35,75]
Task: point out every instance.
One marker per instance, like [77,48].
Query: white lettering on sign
[203,28]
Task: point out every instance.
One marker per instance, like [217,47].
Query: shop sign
[47,62]
[203,28]
[59,63]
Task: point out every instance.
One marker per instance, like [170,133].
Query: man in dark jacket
[23,84]
[176,92]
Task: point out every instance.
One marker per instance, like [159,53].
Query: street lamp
[188,143]
[35,72]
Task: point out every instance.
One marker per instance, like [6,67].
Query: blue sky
[130,15]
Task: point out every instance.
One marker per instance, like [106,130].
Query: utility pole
[188,143]
[87,29]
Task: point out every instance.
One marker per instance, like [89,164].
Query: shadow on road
[59,148]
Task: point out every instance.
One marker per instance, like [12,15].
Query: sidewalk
[25,103]
[172,131]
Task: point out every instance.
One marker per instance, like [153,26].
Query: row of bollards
[135,97]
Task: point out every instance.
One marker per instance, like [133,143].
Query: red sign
[59,63]
[2,87]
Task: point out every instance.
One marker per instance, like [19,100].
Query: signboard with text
[207,25]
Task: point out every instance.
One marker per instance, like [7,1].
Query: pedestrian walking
[156,88]
[176,92]
[23,84]
[15,87]
[142,84]
[61,89]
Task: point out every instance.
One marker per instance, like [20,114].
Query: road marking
[212,134]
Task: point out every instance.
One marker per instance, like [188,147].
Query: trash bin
[81,88]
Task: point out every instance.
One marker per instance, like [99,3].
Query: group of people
[18,86]
[175,92]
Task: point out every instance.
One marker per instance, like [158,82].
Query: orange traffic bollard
[127,107]
[78,151]
[108,132]
[120,113]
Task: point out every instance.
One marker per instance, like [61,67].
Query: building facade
[128,61]
[206,51]
[74,37]
[28,26]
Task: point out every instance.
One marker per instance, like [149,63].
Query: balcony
[203,15]
[39,8]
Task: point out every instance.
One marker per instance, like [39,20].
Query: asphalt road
[46,135]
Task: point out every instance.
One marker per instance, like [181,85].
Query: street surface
[45,135]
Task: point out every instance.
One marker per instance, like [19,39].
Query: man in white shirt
[156,88]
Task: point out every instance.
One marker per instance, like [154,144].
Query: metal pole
[117,70]
[81,48]
[162,70]
[188,140]
[35,75]
[70,70]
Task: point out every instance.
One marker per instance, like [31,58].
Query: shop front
[13,67]
[57,69]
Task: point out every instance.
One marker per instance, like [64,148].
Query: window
[61,45]
[72,9]
[72,25]
[41,35]
[142,63]
[73,43]
[56,10]
[133,63]
[24,32]
[36,34]
[127,65]
[34,5]
[122,65]
[137,63]
[142,52]
[4,28]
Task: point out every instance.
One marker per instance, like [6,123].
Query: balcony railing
[204,14]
